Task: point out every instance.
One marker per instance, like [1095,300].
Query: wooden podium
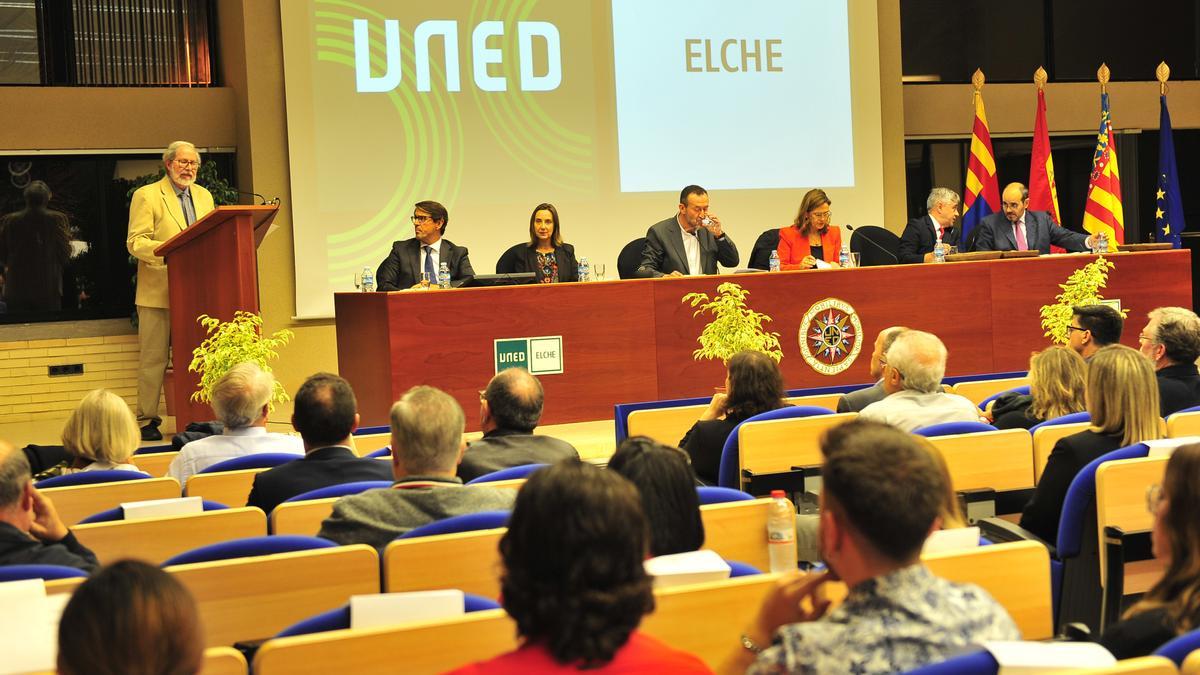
[212,268]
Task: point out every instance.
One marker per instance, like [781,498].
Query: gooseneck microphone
[874,243]
[263,200]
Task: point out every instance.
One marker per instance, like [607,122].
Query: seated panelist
[546,254]
[922,234]
[424,253]
[691,242]
[811,237]
[1019,229]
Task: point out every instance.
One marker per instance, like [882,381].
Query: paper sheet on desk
[822,265]
[1027,658]
[29,637]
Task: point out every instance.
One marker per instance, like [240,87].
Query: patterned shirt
[890,624]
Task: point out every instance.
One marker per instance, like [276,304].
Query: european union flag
[1168,217]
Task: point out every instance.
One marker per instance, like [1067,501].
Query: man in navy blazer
[425,252]
[683,244]
[325,414]
[922,234]
[1019,229]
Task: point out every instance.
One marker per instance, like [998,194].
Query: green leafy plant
[208,176]
[1082,288]
[230,343]
[734,327]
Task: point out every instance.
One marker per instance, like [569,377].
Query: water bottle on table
[773,264]
[585,272]
[939,252]
[781,532]
[444,276]
[844,256]
[368,280]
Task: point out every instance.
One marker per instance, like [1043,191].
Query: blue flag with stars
[1168,215]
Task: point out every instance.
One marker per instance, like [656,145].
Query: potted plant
[734,326]
[1082,288]
[230,343]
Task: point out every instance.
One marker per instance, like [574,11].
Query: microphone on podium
[264,201]
[874,243]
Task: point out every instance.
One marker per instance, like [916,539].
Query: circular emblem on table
[830,336]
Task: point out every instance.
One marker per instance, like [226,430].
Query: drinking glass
[598,269]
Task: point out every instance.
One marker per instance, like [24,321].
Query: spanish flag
[1043,192]
[981,174]
[1103,212]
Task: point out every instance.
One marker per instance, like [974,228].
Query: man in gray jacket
[855,401]
[427,428]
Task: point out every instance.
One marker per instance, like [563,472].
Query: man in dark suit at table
[922,234]
[1019,229]
[325,414]
[685,244]
[424,253]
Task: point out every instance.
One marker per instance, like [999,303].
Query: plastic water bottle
[585,271]
[444,276]
[368,280]
[1102,243]
[844,256]
[773,264]
[781,532]
[939,252]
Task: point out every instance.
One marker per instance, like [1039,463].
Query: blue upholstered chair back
[727,474]
[741,569]
[153,449]
[1195,408]
[973,663]
[20,572]
[249,547]
[1178,649]
[259,460]
[1073,418]
[118,513]
[484,520]
[511,473]
[339,618]
[90,478]
[1022,390]
[721,495]
[1081,500]
[385,451]
[340,490]
[949,428]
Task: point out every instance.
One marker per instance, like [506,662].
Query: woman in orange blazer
[811,236]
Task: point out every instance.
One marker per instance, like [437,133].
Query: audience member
[31,533]
[573,579]
[1056,387]
[241,399]
[855,401]
[101,433]
[427,429]
[1171,340]
[1093,327]
[325,414]
[663,477]
[753,385]
[130,618]
[881,496]
[912,377]
[35,245]
[509,410]
[1123,401]
[1172,605]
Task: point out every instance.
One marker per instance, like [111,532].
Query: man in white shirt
[691,242]
[912,377]
[241,399]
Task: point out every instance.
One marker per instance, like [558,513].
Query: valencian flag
[982,196]
[1168,216]
[1103,212]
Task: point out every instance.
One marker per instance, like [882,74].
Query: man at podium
[158,212]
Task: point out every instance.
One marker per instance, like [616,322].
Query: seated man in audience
[325,414]
[241,399]
[509,410]
[1171,339]
[880,498]
[427,429]
[855,401]
[31,533]
[1093,327]
[912,377]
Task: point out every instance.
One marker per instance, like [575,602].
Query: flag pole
[1040,78]
[1103,75]
[1162,73]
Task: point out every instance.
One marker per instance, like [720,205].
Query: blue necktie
[430,273]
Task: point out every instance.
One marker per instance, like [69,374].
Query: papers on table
[29,626]
[157,508]
[693,567]
[1028,658]
[1163,447]
[956,539]
[383,609]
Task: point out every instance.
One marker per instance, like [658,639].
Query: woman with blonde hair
[101,433]
[812,236]
[1056,387]
[1122,397]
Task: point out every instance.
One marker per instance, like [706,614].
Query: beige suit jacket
[154,217]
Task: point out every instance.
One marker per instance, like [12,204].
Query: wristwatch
[749,645]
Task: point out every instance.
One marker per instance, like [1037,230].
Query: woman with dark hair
[663,476]
[573,579]
[130,618]
[812,236]
[1172,606]
[546,254]
[753,385]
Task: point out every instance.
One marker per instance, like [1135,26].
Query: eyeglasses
[1081,330]
[1142,337]
[188,163]
[1154,498]
[822,215]
[417,220]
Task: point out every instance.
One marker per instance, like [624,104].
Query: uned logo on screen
[481,55]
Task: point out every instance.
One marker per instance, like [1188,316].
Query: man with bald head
[855,401]
[509,410]
[31,533]
[913,368]
[1019,229]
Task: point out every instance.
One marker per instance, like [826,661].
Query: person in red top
[812,236]
[573,579]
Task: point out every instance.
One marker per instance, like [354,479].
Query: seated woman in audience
[101,434]
[1122,397]
[546,254]
[1056,383]
[1172,606]
[663,477]
[573,579]
[130,618]
[812,236]
[753,385]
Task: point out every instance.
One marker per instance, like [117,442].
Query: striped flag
[1103,212]
[1043,192]
[981,174]
[1168,216]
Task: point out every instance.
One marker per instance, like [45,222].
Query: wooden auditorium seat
[302,517]
[467,561]
[1000,460]
[1044,440]
[1143,665]
[1016,574]
[738,531]
[231,488]
[978,390]
[1121,503]
[156,539]
[368,443]
[1183,424]
[223,661]
[665,425]
[778,445]
[80,501]
[154,463]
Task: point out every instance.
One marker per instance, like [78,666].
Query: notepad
[28,626]
[157,508]
[385,609]
[693,567]
[1032,658]
[1163,447]
[956,539]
